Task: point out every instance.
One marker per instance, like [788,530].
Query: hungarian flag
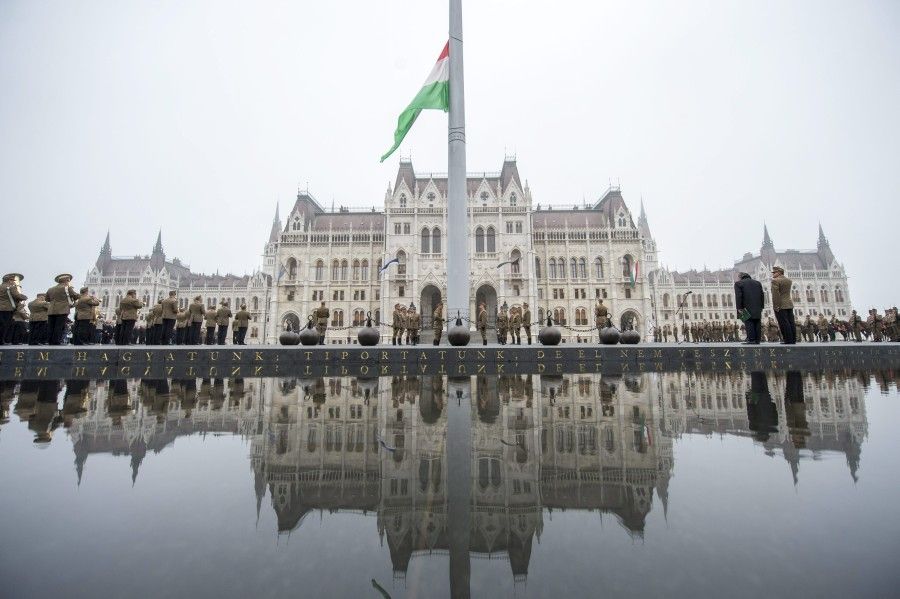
[435,93]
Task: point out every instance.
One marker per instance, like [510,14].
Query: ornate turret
[105,256]
[823,248]
[276,226]
[158,258]
[767,251]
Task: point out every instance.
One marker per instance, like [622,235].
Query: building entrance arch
[428,301]
[488,295]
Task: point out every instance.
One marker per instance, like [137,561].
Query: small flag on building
[389,262]
[435,93]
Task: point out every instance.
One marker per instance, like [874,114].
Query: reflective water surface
[683,484]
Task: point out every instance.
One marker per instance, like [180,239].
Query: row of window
[556,268]
[484,197]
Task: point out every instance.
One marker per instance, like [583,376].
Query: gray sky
[196,117]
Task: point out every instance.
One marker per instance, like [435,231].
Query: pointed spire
[276,226]
[158,248]
[822,239]
[107,249]
[767,241]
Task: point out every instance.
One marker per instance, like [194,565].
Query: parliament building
[558,259]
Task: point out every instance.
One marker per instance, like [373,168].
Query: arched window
[335,270]
[839,295]
[105,301]
[582,268]
[598,267]
[552,268]
[559,316]
[513,199]
[795,294]
[541,316]
[810,296]
[119,298]
[479,240]
[337,318]
[292,269]
[255,303]
[377,317]
[343,270]
[491,240]
[146,300]
[426,241]
[627,263]
[356,270]
[824,294]
[537,267]
[320,270]
[562,267]
[359,317]
[436,241]
[580,317]
[515,259]
[403,200]
[401,266]
[295,226]
[365,270]
[573,268]
[665,300]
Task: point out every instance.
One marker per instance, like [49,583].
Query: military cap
[173,292]
[11,276]
[83,290]
[65,275]
[777,269]
[198,298]
[130,291]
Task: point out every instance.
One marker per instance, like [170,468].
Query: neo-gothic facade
[559,259]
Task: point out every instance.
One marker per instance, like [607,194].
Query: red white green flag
[435,93]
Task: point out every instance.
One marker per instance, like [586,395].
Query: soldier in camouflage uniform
[482,322]
[502,325]
[875,323]
[855,324]
[397,325]
[601,316]
[413,322]
[526,321]
[515,326]
[437,323]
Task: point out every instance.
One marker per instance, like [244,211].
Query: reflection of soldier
[413,323]
[601,315]
[502,325]
[526,321]
[762,413]
[515,326]
[321,314]
[482,322]
[437,322]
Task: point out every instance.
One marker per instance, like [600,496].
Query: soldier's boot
[484,342]
[435,342]
[529,339]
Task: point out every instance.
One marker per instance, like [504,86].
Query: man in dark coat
[748,295]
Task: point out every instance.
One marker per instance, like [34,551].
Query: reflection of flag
[388,263]
[512,262]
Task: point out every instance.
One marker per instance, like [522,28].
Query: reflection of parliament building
[562,259]
[576,442]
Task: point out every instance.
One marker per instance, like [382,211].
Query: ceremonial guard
[601,316]
[84,316]
[854,324]
[210,318]
[502,324]
[666,331]
[181,327]
[397,325]
[196,311]
[320,316]
[482,322]
[61,298]
[128,313]
[515,326]
[526,321]
[223,317]
[413,323]
[234,331]
[823,328]
[39,309]
[656,335]
[10,297]
[20,325]
[890,324]
[876,325]
[685,333]
[437,322]
[156,313]
[243,322]
[169,315]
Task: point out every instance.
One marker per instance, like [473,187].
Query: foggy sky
[197,117]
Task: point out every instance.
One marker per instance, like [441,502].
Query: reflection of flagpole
[457,246]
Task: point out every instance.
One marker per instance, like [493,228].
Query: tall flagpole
[457,225]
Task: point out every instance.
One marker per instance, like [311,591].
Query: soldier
[601,315]
[156,312]
[61,297]
[84,316]
[515,326]
[823,328]
[210,318]
[197,311]
[321,314]
[685,333]
[39,309]
[482,322]
[783,305]
[728,330]
[223,316]
[396,324]
[234,332]
[128,313]
[502,324]
[169,315]
[876,325]
[437,322]
[675,332]
[665,333]
[774,331]
[854,326]
[526,321]
[10,297]
[890,324]
[20,327]
[657,335]
[243,322]
[413,322]
[181,326]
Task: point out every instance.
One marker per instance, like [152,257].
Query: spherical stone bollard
[458,334]
[549,335]
[309,335]
[368,335]
[609,335]
[289,338]
[630,337]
